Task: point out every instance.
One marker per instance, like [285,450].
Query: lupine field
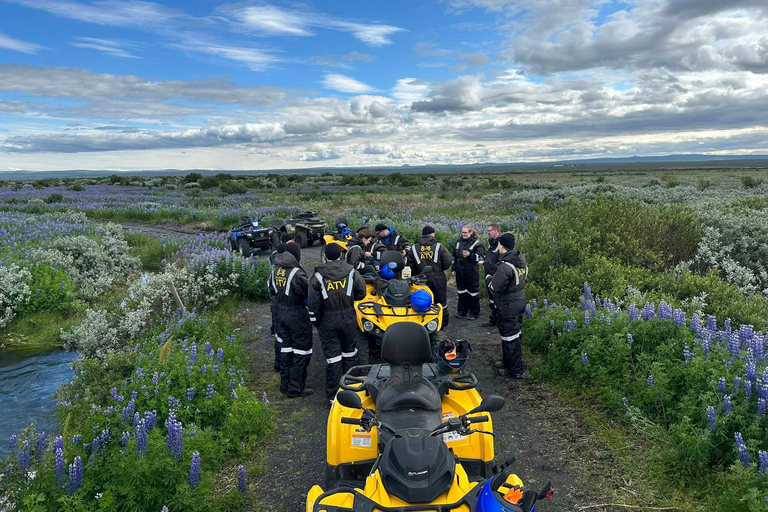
[648,291]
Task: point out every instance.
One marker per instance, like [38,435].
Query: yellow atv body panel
[375,309]
[349,444]
[334,239]
[375,491]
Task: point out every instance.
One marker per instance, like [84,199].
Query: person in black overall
[429,252]
[333,290]
[287,239]
[468,255]
[490,264]
[289,286]
[363,250]
[391,239]
[508,286]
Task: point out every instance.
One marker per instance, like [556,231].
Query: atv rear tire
[244,248]
[275,239]
[301,239]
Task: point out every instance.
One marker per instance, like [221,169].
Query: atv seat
[406,344]
[417,393]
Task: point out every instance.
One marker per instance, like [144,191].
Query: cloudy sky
[127,84]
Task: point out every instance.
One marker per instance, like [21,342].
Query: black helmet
[451,356]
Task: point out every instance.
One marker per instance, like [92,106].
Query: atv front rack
[358,378]
[363,503]
[379,309]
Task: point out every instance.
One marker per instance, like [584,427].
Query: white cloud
[16,45]
[254,58]
[343,83]
[374,35]
[114,48]
[108,12]
[408,90]
[271,20]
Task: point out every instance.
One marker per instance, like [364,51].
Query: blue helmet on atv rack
[421,301]
[388,270]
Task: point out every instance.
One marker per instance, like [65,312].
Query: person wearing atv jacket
[286,239]
[391,239]
[429,252]
[289,287]
[468,255]
[490,265]
[508,285]
[363,250]
[333,290]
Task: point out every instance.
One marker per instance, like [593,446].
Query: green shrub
[232,187]
[751,182]
[55,198]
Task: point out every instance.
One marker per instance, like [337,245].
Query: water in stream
[27,383]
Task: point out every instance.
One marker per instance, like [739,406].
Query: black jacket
[429,252]
[288,284]
[508,282]
[476,252]
[397,242]
[356,250]
[492,257]
[334,287]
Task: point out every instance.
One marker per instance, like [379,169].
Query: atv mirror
[349,399]
[491,403]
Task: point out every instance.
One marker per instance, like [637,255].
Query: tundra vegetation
[648,293]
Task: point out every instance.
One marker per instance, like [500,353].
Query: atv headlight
[432,325]
[368,325]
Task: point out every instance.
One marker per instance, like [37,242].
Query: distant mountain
[731,160]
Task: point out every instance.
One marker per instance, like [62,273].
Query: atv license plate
[450,437]
[361,440]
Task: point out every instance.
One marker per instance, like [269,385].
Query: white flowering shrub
[14,291]
[94,261]
[96,335]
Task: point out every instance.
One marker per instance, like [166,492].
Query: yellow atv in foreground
[391,299]
[406,392]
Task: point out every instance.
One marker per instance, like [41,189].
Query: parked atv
[249,236]
[306,228]
[407,391]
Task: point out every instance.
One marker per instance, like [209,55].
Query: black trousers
[468,287]
[510,323]
[438,284]
[273,332]
[295,333]
[337,336]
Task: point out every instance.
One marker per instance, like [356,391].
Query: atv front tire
[244,248]
[275,239]
[301,239]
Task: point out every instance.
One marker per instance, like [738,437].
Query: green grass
[148,249]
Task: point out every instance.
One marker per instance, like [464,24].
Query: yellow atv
[405,392]
[390,299]
[416,470]
[342,236]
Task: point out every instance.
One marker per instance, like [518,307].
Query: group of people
[326,298]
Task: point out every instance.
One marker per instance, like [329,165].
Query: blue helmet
[421,300]
[388,270]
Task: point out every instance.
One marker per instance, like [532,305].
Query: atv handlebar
[478,419]
[352,421]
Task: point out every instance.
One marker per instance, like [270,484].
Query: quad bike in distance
[250,236]
[306,228]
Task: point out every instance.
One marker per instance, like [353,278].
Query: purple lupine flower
[193,353]
[687,355]
[711,324]
[665,310]
[584,359]
[95,445]
[194,471]
[58,444]
[535,303]
[630,339]
[150,418]
[760,407]
[762,455]
[241,478]
[264,398]
[625,401]
[232,384]
[215,368]
[233,395]
[567,311]
[587,291]
[12,442]
[203,369]
[128,411]
[75,475]
[528,311]
[125,439]
[711,420]
[24,456]
[155,379]
[734,345]
[552,324]
[650,380]
[748,389]
[727,407]
[139,372]
[164,509]
[141,439]
[736,384]
[40,445]
[678,316]
[134,394]
[727,325]
[586,318]
[76,438]
[60,467]
[546,303]
[634,314]
[220,355]
[209,391]
[743,454]
[208,349]
[721,385]
[190,393]
[648,312]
